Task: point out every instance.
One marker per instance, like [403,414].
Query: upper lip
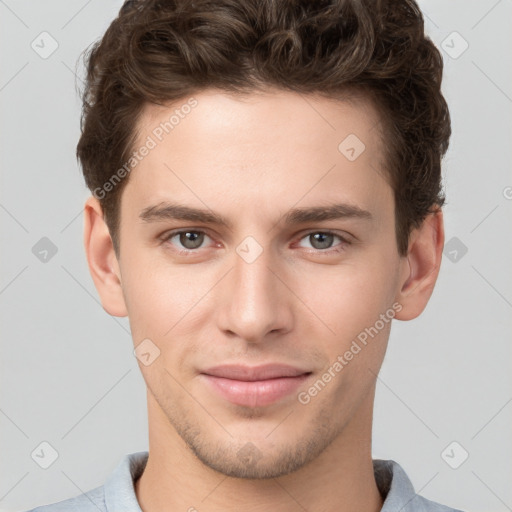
[254,373]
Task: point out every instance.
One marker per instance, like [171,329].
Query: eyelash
[336,249]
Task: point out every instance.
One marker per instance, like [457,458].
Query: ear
[420,267]
[102,260]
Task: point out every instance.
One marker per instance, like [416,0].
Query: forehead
[214,115]
[260,149]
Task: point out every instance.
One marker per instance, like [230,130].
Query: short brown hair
[160,51]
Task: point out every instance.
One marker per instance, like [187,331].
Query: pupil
[322,239]
[195,240]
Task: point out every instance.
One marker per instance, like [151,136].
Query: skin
[252,160]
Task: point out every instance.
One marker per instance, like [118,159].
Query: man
[266,199]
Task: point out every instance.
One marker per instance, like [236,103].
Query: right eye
[189,239]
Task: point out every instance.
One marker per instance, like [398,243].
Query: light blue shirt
[118,493]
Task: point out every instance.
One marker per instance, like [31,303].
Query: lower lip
[255,393]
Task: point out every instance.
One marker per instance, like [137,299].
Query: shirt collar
[395,487]
[392,481]
[119,487]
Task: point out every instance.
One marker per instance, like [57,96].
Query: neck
[340,479]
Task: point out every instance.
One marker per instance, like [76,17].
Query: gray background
[68,374]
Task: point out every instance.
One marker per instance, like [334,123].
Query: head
[264,115]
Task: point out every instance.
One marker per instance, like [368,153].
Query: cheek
[351,303]
[162,302]
[350,298]
[157,298]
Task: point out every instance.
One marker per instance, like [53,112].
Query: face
[260,275]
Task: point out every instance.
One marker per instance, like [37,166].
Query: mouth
[256,386]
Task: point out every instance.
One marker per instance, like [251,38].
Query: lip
[254,386]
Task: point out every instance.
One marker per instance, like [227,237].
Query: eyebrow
[173,211]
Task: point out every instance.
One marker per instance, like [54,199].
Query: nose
[255,302]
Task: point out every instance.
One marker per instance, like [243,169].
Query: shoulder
[421,504]
[91,501]
[398,492]
[117,493]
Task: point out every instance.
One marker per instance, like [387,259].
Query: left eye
[322,240]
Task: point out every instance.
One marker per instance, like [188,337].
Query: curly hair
[159,51]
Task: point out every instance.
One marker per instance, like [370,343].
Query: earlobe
[101,259]
[420,268]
